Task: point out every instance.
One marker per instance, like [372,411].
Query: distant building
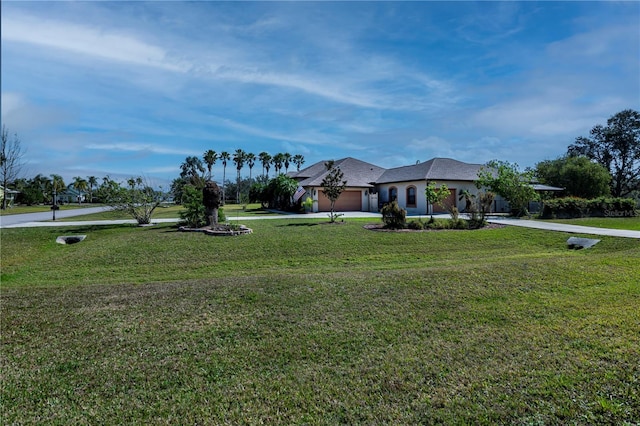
[10,194]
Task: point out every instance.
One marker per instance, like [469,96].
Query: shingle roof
[434,169]
[357,173]
[362,174]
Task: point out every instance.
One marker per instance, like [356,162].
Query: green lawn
[303,322]
[630,223]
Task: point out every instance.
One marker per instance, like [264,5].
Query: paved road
[7,221]
[561,227]
[28,220]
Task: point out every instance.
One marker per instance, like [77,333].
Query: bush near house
[573,207]
[393,216]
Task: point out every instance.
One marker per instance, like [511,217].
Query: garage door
[349,201]
[451,200]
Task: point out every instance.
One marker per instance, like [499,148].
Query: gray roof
[357,173]
[436,169]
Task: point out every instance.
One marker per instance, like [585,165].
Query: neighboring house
[10,194]
[71,195]
[370,186]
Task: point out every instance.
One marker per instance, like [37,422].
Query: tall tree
[265,159]
[44,185]
[333,184]
[192,171]
[278,159]
[286,160]
[80,185]
[298,160]
[250,157]
[506,180]
[210,157]
[617,147]
[579,176]
[57,186]
[93,182]
[30,191]
[10,161]
[238,159]
[224,157]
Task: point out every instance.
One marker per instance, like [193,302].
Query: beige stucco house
[359,194]
[370,186]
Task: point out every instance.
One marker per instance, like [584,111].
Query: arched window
[411,196]
[393,194]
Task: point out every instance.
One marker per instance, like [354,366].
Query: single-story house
[357,195]
[71,195]
[407,184]
[370,186]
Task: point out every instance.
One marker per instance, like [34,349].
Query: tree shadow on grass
[300,224]
[89,228]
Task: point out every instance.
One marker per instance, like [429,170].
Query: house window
[411,196]
[393,194]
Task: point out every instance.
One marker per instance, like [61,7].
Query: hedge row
[570,207]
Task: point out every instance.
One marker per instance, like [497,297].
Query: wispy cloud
[84,40]
[116,86]
[140,147]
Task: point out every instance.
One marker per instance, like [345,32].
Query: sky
[126,89]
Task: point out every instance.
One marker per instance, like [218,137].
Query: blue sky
[131,88]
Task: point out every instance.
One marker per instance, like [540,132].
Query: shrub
[458,224]
[194,211]
[436,224]
[393,216]
[572,207]
[417,225]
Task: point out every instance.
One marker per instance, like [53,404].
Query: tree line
[195,171]
[605,163]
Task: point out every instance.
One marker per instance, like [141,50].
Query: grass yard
[308,323]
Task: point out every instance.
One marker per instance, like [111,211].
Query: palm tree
[192,170]
[210,158]
[251,161]
[224,157]
[298,160]
[93,181]
[286,158]
[57,186]
[238,158]
[80,185]
[43,183]
[278,159]
[265,159]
